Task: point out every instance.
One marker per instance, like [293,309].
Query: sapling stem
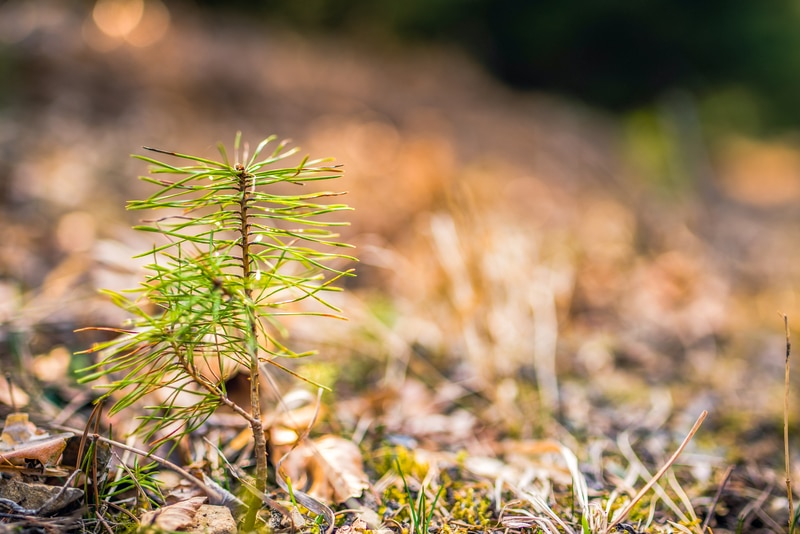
[246,183]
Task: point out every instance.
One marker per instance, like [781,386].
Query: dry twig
[786,425]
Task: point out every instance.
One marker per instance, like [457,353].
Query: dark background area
[617,55]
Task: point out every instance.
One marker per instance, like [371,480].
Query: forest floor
[547,299]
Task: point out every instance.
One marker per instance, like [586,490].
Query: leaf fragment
[174,516]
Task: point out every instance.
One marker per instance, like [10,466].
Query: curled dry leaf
[341,463]
[331,467]
[21,441]
[174,516]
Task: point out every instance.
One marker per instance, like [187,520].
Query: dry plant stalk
[786,425]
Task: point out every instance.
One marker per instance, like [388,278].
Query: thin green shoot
[421,512]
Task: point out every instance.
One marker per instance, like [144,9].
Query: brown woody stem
[259,440]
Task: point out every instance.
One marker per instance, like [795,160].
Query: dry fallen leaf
[343,466]
[174,516]
[21,441]
[18,429]
[330,466]
[45,451]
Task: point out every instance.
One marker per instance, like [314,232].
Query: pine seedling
[241,250]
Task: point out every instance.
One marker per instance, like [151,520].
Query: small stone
[211,519]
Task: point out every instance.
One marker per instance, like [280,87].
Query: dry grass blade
[638,469]
[541,506]
[579,485]
[625,511]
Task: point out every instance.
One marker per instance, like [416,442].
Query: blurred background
[559,206]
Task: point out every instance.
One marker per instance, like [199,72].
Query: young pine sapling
[241,250]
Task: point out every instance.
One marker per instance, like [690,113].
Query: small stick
[786,424]
[714,502]
[625,511]
[213,495]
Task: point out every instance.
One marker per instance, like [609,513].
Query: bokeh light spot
[76,231]
[118,18]
[152,26]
